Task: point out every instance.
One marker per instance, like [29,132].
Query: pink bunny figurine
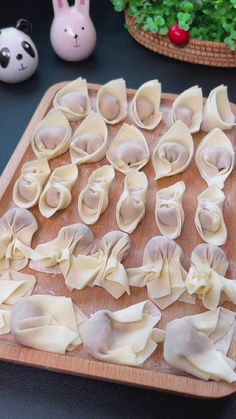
[73,36]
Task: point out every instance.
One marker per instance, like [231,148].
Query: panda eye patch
[4,57]
[27,47]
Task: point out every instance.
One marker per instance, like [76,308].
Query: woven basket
[214,54]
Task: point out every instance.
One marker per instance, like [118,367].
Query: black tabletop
[27,392]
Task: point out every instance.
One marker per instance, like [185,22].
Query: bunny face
[18,54]
[72,35]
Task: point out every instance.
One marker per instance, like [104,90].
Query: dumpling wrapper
[209,220]
[69,104]
[130,208]
[215,158]
[187,107]
[89,141]
[128,150]
[14,285]
[93,199]
[173,152]
[217,111]
[17,227]
[208,282]
[199,344]
[57,190]
[71,240]
[52,136]
[28,187]
[113,89]
[161,271]
[47,323]
[169,213]
[147,98]
[103,268]
[127,336]
[5,315]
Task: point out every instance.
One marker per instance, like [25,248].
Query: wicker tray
[215,54]
[155,373]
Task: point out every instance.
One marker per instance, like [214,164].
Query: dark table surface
[27,392]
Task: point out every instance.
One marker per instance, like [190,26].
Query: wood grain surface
[156,373]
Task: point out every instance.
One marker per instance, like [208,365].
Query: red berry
[178,36]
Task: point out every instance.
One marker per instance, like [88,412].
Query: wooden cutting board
[155,373]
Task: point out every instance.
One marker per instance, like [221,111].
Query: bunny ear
[82,6]
[59,6]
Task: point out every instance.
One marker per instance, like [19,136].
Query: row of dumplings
[130,209]
[112,105]
[85,262]
[128,150]
[197,345]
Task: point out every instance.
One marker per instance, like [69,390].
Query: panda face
[18,56]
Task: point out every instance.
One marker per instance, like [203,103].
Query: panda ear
[24,25]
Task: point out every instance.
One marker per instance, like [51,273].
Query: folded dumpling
[209,220]
[112,101]
[17,227]
[47,322]
[169,213]
[71,240]
[161,271]
[103,268]
[199,344]
[5,315]
[173,152]
[127,336]
[14,285]
[206,277]
[73,100]
[217,111]
[130,208]
[128,150]
[52,136]
[215,158]
[28,187]
[93,199]
[57,192]
[145,106]
[89,141]
[187,108]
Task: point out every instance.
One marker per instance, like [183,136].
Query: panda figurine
[18,54]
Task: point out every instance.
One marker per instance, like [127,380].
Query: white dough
[17,227]
[76,86]
[206,277]
[92,126]
[215,158]
[130,208]
[199,344]
[161,271]
[189,99]
[151,91]
[103,268]
[117,89]
[33,175]
[126,336]
[128,150]
[53,123]
[217,111]
[209,220]
[93,199]
[58,190]
[14,285]
[169,213]
[173,152]
[47,323]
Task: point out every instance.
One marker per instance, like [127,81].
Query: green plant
[212,20]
